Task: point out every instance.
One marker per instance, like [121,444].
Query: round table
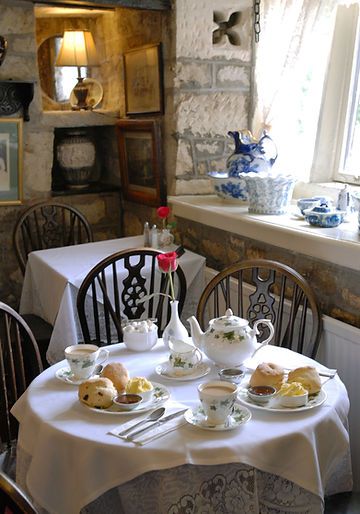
[67,457]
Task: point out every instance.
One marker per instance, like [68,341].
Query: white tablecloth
[53,276]
[73,460]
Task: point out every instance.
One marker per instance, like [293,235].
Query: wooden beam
[157,5]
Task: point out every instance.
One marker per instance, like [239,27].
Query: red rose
[167,261]
[163,212]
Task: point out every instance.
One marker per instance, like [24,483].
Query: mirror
[56,82]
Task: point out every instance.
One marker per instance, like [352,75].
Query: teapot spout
[196,332]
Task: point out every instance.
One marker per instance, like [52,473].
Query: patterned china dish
[228,188]
[261,394]
[324,216]
[197,418]
[269,193]
[308,203]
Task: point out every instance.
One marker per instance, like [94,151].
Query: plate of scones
[297,390]
[98,393]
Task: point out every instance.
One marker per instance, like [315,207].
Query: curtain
[290,67]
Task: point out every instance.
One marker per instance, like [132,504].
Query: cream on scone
[308,377]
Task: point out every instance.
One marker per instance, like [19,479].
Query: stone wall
[212,86]
[124,29]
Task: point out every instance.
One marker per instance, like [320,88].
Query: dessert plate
[273,405]
[65,375]
[160,395]
[165,371]
[196,417]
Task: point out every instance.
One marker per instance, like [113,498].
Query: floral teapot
[251,154]
[229,340]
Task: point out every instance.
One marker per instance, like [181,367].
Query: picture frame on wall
[141,161]
[11,131]
[143,73]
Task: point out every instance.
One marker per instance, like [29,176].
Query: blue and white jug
[251,154]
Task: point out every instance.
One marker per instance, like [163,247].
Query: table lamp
[78,49]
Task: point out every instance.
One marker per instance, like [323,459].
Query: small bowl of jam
[261,394]
[128,401]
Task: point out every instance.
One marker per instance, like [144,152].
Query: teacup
[82,359]
[217,399]
[184,357]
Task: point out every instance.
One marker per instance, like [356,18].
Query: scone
[97,392]
[267,373]
[118,375]
[308,376]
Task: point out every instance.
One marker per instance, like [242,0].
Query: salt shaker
[344,201]
[154,236]
[147,241]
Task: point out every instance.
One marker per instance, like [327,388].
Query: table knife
[156,424]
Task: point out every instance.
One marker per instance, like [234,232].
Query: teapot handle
[272,331]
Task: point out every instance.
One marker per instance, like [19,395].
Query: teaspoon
[154,416]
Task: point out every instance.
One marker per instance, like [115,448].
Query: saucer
[65,375]
[239,416]
[165,370]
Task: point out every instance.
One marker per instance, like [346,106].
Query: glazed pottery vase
[175,328]
[251,155]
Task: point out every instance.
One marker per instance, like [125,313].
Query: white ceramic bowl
[137,341]
[261,394]
[128,401]
[228,188]
[294,401]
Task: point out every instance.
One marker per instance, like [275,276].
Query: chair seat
[344,503]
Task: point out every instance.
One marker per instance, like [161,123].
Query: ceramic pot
[76,156]
[251,155]
[269,194]
[175,328]
[228,188]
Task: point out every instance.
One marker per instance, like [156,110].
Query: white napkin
[157,431]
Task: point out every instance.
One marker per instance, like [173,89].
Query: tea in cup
[184,357]
[82,359]
[217,399]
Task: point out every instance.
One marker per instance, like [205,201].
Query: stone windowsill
[340,245]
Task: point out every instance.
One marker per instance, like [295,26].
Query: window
[337,153]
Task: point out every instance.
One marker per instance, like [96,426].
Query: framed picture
[10,161]
[144,80]
[141,163]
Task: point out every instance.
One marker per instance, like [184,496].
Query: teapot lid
[228,321]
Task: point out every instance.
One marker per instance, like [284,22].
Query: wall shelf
[14,96]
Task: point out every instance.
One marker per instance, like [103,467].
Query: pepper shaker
[147,234]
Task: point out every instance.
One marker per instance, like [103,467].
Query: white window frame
[329,155]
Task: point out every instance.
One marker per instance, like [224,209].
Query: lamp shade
[77,49]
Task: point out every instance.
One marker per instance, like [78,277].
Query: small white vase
[175,328]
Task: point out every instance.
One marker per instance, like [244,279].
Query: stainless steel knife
[161,421]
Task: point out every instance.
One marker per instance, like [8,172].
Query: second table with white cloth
[53,277]
[68,458]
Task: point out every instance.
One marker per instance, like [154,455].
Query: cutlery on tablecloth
[156,424]
[154,416]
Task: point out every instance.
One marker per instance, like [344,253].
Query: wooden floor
[345,503]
